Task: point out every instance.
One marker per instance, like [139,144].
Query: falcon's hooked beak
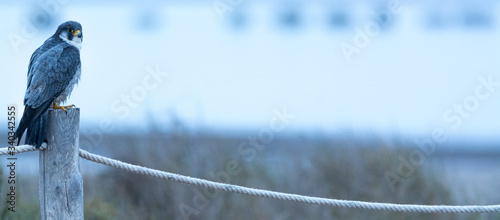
[77,33]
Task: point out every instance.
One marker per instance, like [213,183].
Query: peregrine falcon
[53,71]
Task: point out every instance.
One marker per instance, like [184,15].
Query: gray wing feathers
[30,72]
[50,73]
[42,49]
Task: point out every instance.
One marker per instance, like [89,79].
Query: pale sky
[408,79]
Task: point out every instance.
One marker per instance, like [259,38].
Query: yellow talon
[56,106]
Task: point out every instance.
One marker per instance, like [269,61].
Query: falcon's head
[71,33]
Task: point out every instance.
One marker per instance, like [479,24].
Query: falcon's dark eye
[70,30]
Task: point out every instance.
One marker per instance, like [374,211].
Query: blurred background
[324,98]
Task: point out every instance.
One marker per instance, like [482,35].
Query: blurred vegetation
[342,166]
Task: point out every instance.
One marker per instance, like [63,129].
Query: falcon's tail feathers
[35,135]
[31,118]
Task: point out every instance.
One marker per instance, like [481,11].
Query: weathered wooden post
[60,181]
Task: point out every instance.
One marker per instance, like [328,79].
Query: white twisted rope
[271,194]
[18,149]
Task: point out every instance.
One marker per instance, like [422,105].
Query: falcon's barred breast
[54,70]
